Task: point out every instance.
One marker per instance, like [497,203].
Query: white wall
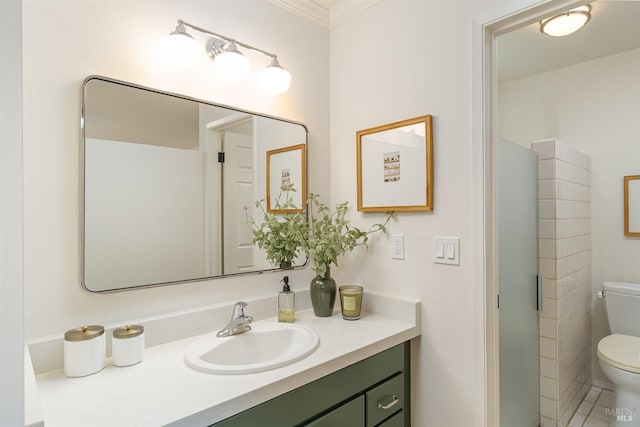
[594,107]
[397,60]
[11,274]
[118,39]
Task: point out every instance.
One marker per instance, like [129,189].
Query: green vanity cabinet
[374,392]
[347,414]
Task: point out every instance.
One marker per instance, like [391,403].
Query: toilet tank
[623,307]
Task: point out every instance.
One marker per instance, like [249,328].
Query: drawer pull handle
[394,401]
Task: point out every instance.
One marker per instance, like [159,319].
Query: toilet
[619,353]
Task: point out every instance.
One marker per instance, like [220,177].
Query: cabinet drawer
[350,414]
[395,421]
[385,400]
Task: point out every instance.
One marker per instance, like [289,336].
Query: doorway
[485,136]
[229,173]
[554,104]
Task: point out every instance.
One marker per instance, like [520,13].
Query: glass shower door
[517,281]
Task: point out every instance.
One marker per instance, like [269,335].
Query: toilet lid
[621,351]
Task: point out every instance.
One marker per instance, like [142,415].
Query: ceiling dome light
[231,65]
[180,49]
[275,79]
[567,22]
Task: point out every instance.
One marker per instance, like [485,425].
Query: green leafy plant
[329,234]
[321,234]
[278,234]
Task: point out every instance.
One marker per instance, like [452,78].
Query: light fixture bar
[229,62]
[227,39]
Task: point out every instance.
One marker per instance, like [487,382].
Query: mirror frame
[630,205]
[83,189]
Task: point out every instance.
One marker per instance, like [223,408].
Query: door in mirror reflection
[166,182]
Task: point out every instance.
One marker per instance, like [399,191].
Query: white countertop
[164,390]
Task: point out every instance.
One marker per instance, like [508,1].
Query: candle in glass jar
[351,301]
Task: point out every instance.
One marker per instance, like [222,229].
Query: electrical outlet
[397,246]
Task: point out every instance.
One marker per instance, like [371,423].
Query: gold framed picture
[287,167]
[395,166]
[632,205]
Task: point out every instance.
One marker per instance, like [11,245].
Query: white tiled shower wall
[565,266]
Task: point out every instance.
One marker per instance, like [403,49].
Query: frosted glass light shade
[231,65]
[275,79]
[181,50]
[566,23]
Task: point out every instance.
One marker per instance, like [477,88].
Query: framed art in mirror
[395,166]
[286,167]
[632,205]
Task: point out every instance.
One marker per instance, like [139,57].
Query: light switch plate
[446,250]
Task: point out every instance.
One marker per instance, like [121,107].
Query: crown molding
[346,9]
[321,15]
[306,9]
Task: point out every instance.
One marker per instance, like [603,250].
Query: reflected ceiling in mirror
[166,180]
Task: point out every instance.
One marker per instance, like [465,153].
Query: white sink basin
[268,345]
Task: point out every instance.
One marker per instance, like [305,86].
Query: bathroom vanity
[373,392]
[359,368]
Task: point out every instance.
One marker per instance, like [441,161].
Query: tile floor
[591,412]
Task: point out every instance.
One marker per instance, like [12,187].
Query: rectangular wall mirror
[166,182]
[632,205]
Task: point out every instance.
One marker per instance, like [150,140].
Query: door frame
[484,127]
[211,145]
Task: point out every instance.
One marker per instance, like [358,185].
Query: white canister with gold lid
[84,351]
[127,345]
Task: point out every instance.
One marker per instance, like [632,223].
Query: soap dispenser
[286,303]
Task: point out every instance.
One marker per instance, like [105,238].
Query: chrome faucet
[239,322]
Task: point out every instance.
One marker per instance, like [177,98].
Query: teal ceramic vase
[323,294]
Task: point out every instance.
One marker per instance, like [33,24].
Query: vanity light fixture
[567,22]
[230,64]
[181,47]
